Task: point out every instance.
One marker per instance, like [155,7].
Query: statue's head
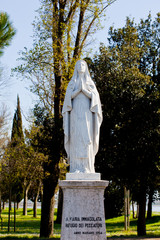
[81,67]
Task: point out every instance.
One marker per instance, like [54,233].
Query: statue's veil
[86,74]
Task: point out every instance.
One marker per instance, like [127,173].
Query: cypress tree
[17,132]
[17,137]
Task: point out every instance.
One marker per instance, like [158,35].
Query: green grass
[115,227]
[28,227]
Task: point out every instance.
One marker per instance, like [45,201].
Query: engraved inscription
[81,224]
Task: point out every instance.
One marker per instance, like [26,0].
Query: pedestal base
[83,210]
[83,176]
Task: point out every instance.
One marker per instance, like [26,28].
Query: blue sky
[22,14]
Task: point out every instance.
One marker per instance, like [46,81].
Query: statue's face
[81,67]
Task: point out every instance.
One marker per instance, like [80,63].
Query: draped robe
[82,117]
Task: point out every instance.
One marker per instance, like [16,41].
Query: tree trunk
[0,204]
[137,214]
[150,200]
[35,202]
[133,209]
[141,227]
[1,210]
[50,183]
[17,205]
[3,205]
[60,207]
[25,203]
[26,189]
[9,211]
[125,208]
[35,207]
[47,211]
[14,216]
[128,209]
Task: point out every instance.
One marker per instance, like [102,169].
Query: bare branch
[79,31]
[3,126]
[95,16]
[72,11]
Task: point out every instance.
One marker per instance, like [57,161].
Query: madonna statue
[82,117]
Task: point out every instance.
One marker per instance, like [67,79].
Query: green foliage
[55,49]
[130,98]
[21,163]
[43,138]
[128,83]
[6,31]
[11,179]
[17,131]
[148,31]
[113,200]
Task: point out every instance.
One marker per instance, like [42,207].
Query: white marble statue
[82,117]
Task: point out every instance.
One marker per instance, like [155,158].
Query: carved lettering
[93,225]
[87,232]
[81,225]
[91,219]
[84,222]
[77,233]
[71,225]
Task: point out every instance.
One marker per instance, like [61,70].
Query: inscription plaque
[84,225]
[83,210]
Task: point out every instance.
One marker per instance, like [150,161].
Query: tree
[22,160]
[6,34]
[149,64]
[16,139]
[17,131]
[51,62]
[34,136]
[34,193]
[9,177]
[130,97]
[6,31]
[30,166]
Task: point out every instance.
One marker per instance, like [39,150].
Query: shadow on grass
[27,238]
[117,226]
[115,229]
[34,238]
[26,226]
[132,237]
[154,219]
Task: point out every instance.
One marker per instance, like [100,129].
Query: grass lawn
[115,227]
[28,227]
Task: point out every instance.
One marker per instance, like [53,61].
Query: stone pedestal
[83,209]
[83,176]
